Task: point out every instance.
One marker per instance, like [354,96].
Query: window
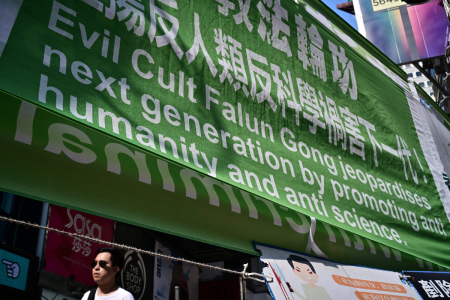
[410,75]
[431,94]
[422,84]
[418,74]
[429,83]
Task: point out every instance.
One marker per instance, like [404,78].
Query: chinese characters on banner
[277,99]
[70,256]
[430,285]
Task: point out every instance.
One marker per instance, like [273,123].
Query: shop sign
[18,271]
[71,257]
[134,274]
[14,271]
[170,273]
[298,276]
[430,285]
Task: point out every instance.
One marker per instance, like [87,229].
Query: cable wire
[115,245]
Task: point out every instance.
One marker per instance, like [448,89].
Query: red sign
[220,290]
[71,257]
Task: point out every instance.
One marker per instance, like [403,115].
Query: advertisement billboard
[268,102]
[298,276]
[71,257]
[405,33]
[170,273]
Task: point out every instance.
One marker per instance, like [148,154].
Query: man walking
[106,265]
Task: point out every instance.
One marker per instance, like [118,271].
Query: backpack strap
[92,294]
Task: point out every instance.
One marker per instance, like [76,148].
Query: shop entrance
[62,262]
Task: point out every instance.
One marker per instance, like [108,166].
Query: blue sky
[346,16]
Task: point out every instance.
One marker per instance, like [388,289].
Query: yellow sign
[378,5]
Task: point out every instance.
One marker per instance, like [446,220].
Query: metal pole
[243,288]
[177,293]
[41,236]
[436,84]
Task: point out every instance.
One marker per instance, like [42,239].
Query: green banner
[109,187]
[275,99]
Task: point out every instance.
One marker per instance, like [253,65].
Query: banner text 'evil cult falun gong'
[275,98]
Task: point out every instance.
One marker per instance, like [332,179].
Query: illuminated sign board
[17,270]
[14,270]
[404,32]
[378,5]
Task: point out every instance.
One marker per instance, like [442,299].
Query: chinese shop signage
[430,285]
[71,257]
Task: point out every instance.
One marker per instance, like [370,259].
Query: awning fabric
[263,108]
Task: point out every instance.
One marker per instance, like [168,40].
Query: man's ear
[116,270]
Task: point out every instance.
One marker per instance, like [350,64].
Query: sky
[346,16]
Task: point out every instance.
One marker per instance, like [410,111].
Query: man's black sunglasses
[102,264]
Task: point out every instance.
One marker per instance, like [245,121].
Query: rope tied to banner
[243,274]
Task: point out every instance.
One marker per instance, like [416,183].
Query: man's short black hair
[116,256]
[299,260]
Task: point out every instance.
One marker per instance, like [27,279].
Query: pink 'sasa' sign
[70,256]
